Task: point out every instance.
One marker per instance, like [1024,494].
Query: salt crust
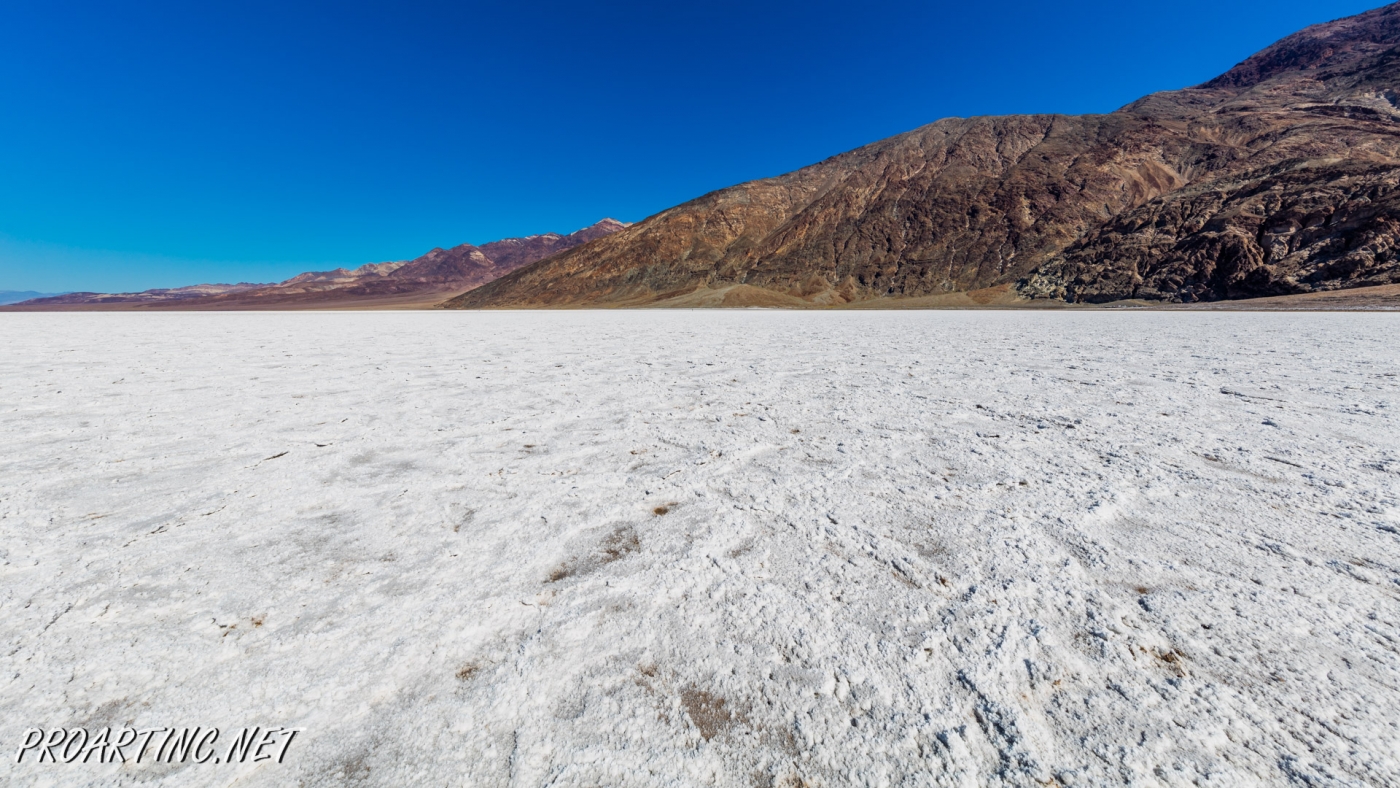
[920,548]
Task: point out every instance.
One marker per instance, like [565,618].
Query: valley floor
[734,548]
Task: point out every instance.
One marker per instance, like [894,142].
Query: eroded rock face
[1306,229]
[1275,178]
[1308,203]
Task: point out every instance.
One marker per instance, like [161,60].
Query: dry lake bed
[731,548]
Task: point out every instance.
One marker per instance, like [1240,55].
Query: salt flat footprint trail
[897,548]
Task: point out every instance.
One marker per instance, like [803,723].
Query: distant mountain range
[1280,177]
[437,275]
[16,296]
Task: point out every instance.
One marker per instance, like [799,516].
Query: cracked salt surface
[709,548]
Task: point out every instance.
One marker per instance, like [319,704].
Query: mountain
[16,296]
[164,294]
[1278,177]
[423,281]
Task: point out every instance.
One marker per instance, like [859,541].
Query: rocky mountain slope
[427,279]
[1278,177]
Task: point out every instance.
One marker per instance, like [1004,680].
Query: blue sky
[153,144]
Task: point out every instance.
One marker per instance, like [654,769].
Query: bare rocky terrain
[1277,178]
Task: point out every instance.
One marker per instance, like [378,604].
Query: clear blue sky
[152,144]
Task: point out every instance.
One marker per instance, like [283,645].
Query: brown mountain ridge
[1276,178]
[423,281]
